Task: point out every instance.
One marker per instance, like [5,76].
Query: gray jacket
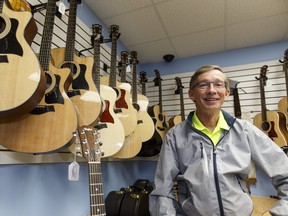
[212,179]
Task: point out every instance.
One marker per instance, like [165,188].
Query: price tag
[61,7]
[73,171]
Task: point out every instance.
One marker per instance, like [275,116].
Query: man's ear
[191,95]
[227,93]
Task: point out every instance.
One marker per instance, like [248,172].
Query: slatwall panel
[82,38]
[248,88]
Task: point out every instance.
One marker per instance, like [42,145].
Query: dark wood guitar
[82,92]
[50,126]
[133,142]
[22,85]
[90,146]
[178,118]
[152,147]
[123,105]
[109,122]
[272,123]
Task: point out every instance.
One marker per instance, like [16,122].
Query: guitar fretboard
[97,202]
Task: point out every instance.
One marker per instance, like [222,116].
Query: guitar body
[22,85]
[274,127]
[161,125]
[123,106]
[132,145]
[49,127]
[82,92]
[283,106]
[174,120]
[145,121]
[109,126]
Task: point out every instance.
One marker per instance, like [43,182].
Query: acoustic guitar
[133,142]
[282,104]
[140,103]
[108,123]
[22,85]
[272,123]
[91,151]
[123,105]
[153,146]
[82,92]
[50,126]
[178,118]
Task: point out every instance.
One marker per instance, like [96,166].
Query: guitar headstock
[285,61]
[96,33]
[114,31]
[90,144]
[158,78]
[263,72]
[179,85]
[124,57]
[143,78]
[134,57]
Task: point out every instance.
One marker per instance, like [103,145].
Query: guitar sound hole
[48,80]
[265,126]
[2,25]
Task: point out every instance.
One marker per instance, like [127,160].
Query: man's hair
[204,69]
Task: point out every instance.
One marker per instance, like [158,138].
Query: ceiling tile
[185,16]
[152,51]
[200,43]
[139,26]
[257,32]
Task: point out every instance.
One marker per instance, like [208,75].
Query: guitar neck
[96,65]
[97,202]
[237,108]
[263,101]
[45,47]
[70,40]
[160,97]
[182,105]
[112,80]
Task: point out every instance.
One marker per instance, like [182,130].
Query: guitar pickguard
[9,44]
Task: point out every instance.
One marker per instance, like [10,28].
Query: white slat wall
[248,88]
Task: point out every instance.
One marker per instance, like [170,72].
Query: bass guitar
[152,147]
[90,146]
[272,123]
[108,123]
[178,118]
[22,85]
[50,126]
[82,92]
[133,142]
[123,105]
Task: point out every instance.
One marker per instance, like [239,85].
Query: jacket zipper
[217,184]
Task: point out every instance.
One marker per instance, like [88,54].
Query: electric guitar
[108,123]
[123,105]
[272,123]
[178,118]
[152,147]
[133,142]
[82,92]
[90,146]
[50,126]
[22,85]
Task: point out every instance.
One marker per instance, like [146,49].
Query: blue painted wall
[44,190]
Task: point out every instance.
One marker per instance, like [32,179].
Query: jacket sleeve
[161,200]
[274,162]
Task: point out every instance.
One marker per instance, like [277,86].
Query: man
[209,154]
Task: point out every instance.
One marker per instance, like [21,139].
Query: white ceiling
[188,28]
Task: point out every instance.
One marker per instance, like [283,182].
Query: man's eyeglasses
[205,85]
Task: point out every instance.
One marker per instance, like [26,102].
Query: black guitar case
[131,201]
